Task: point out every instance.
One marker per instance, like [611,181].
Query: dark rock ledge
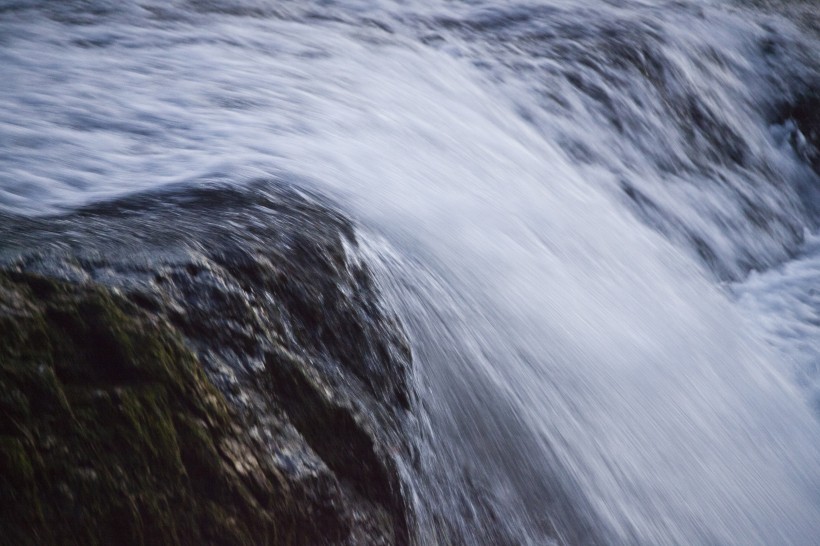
[201,367]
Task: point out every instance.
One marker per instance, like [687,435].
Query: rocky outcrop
[203,367]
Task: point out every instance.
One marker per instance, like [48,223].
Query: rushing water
[590,217]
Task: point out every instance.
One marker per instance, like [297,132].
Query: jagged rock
[203,367]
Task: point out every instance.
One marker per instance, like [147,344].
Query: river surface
[598,222]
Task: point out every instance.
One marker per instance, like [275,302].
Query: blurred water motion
[598,222]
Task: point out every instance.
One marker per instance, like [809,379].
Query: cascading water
[562,203]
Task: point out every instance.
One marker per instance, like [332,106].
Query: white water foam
[629,377]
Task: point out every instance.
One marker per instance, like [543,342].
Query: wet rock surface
[797,123]
[805,115]
[207,366]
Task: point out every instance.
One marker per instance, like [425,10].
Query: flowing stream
[598,222]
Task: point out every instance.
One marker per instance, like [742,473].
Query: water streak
[553,197]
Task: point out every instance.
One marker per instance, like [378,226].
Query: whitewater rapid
[587,216]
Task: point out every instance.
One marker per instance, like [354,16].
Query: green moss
[19,502]
[15,463]
[109,429]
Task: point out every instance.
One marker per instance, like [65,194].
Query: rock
[207,367]
[805,113]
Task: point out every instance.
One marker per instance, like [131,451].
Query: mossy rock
[169,380]
[111,434]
